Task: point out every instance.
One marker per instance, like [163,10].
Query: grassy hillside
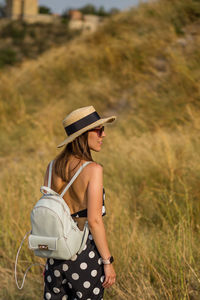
[143,66]
[20,40]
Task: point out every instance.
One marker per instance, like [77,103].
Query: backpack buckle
[43,247]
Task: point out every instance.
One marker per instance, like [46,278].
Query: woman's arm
[95,220]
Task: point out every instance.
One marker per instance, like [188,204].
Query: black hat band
[80,124]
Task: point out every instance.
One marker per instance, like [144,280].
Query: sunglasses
[99,131]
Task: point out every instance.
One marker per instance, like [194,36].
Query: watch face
[111,259]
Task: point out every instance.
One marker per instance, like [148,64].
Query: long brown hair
[79,148]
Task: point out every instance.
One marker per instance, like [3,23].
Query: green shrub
[7,57]
[15,31]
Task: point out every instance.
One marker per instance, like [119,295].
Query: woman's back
[76,196]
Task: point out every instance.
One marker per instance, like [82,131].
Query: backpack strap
[16,260]
[74,177]
[50,173]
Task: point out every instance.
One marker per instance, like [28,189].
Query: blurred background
[140,61]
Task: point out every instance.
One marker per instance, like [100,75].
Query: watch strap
[108,261]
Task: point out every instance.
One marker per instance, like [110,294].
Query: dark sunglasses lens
[101,130]
[98,130]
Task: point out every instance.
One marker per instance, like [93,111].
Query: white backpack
[54,232]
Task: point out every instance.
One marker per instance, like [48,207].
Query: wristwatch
[108,261]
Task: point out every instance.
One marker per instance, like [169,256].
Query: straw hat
[81,120]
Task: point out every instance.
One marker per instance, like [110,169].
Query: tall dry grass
[143,67]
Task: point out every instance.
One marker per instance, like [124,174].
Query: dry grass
[143,67]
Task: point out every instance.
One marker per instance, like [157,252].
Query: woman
[87,274]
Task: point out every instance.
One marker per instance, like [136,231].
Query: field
[143,67]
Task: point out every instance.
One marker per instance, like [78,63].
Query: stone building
[21,9]
[75,14]
[91,23]
[27,10]
[86,23]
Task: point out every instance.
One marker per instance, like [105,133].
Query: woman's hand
[110,276]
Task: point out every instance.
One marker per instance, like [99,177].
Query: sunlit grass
[135,68]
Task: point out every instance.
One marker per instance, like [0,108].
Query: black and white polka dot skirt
[78,278]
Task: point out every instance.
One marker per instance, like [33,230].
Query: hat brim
[93,125]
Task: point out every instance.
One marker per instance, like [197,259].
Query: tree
[44,10]
[101,12]
[114,11]
[2,11]
[88,9]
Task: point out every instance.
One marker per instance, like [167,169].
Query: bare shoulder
[94,170]
[95,167]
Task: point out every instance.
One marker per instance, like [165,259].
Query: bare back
[76,195]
